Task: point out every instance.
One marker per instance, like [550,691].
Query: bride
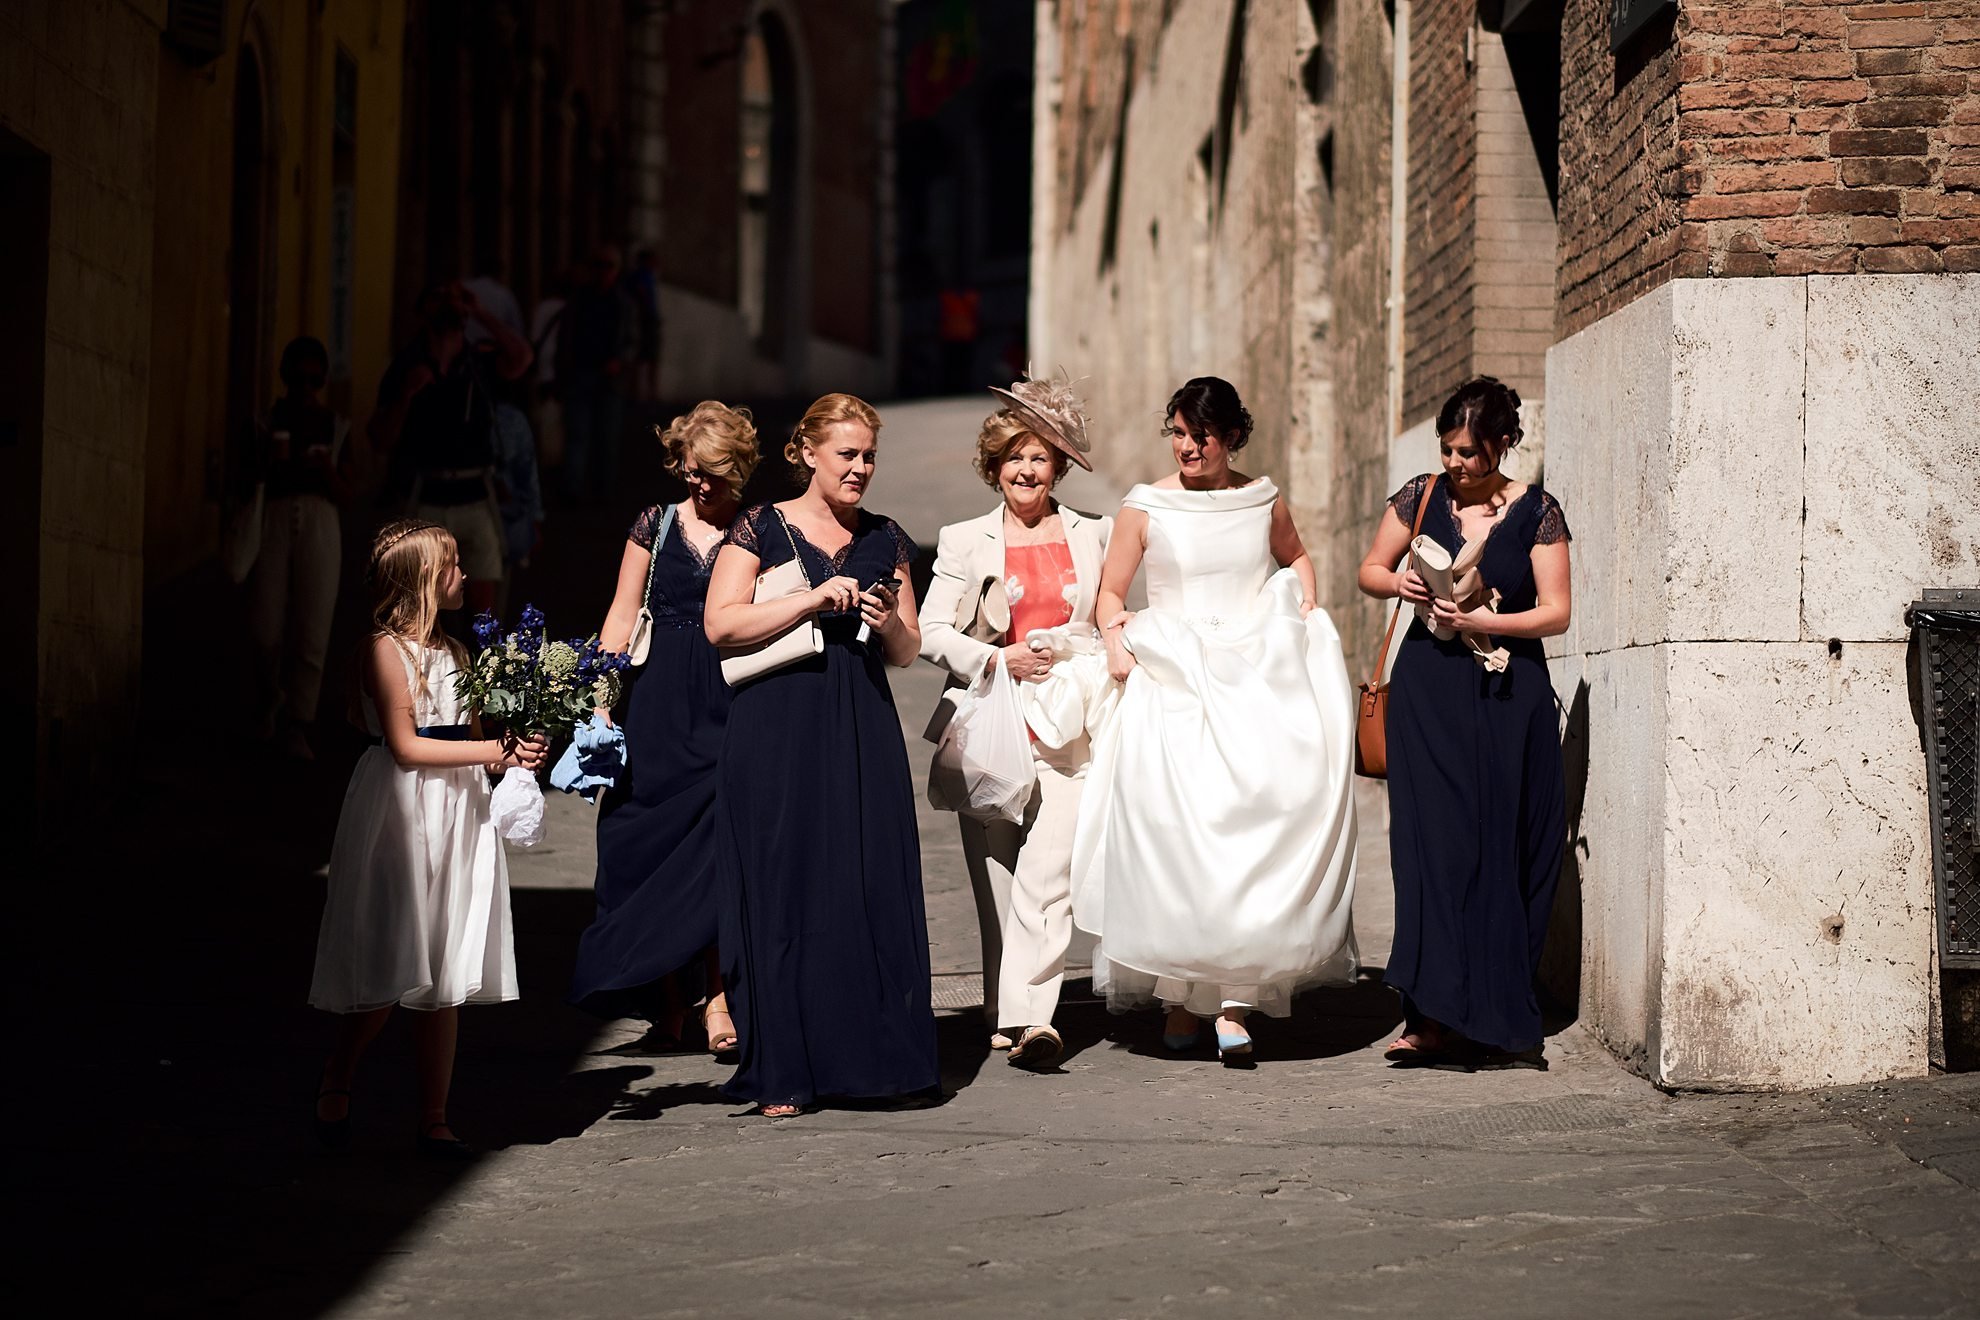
[1215,850]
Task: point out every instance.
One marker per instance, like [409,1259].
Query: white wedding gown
[1215,851]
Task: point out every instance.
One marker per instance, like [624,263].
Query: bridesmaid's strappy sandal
[779,1111]
[1414,1053]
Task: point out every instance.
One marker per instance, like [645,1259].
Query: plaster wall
[1751,851]
[78,83]
[1172,274]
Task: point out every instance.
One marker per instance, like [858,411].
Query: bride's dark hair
[1211,406]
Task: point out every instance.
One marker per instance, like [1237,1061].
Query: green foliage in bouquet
[531,684]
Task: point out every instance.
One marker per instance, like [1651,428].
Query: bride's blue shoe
[1181,1040]
[1233,1047]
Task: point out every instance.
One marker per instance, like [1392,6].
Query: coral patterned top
[1040,584]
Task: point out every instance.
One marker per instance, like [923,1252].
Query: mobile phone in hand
[886,586]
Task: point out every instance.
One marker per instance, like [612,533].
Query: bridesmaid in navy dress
[651,949]
[1476,801]
[824,939]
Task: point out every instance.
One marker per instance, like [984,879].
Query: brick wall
[1621,192]
[1513,264]
[1833,138]
[1439,247]
[1771,137]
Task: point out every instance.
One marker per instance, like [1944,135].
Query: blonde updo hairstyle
[716,438]
[825,411]
[1003,434]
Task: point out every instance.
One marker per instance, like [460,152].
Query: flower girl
[418,907]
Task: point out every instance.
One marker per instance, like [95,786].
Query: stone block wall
[1750,851]
[79,84]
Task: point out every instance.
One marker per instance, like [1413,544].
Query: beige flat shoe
[999,1041]
[1037,1047]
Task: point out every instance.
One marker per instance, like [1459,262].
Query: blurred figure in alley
[643,286]
[307,469]
[596,340]
[436,420]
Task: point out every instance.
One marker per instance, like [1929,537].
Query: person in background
[518,491]
[958,324]
[595,344]
[548,412]
[307,466]
[498,298]
[436,419]
[643,284]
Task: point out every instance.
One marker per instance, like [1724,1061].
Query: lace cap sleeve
[903,544]
[646,527]
[1405,501]
[1553,523]
[746,532]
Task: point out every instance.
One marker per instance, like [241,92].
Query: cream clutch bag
[740,664]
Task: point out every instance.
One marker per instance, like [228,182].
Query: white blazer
[966,614]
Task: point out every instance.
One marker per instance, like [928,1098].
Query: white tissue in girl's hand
[517,807]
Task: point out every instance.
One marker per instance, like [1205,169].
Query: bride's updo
[1211,406]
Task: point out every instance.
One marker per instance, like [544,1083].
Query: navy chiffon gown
[824,941]
[1477,806]
[657,882]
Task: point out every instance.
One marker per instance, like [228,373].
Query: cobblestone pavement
[165,1152]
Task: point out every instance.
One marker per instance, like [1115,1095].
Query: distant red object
[960,319]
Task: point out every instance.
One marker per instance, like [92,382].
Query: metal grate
[1948,627]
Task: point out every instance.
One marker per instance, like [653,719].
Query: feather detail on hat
[1051,410]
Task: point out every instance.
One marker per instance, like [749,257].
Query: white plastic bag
[517,807]
[986,751]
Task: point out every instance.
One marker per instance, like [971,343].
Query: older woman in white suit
[1028,564]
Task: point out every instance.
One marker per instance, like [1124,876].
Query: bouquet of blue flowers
[531,684]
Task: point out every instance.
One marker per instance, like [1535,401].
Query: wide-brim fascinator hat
[1052,412]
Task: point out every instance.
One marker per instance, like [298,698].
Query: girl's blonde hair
[719,439]
[409,562]
[1003,434]
[823,412]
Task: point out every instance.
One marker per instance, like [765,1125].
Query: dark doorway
[24,182]
[245,261]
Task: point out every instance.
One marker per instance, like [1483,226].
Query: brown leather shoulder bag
[1371,724]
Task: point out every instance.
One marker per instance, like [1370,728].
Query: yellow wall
[297,48]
